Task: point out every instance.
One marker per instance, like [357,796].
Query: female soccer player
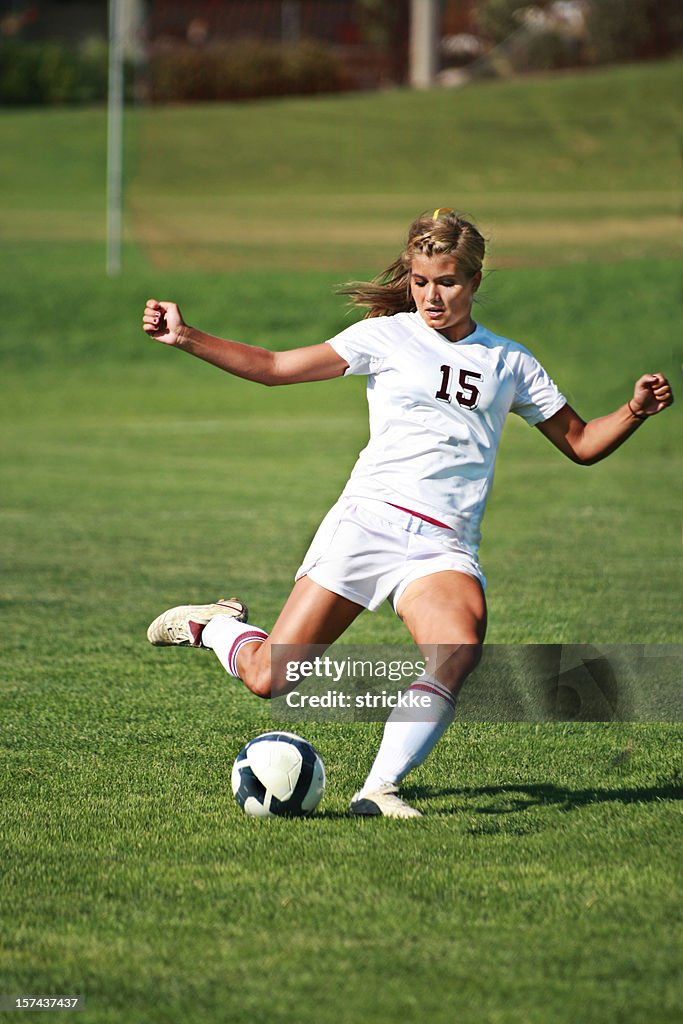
[407,524]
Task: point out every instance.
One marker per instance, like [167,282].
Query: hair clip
[441,210]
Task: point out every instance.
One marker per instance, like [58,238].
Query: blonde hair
[443,233]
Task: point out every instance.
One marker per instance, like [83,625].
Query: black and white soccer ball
[278,774]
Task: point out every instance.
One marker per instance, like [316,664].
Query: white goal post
[425,18]
[125,25]
[115,138]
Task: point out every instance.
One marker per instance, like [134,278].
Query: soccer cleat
[182,626]
[384,802]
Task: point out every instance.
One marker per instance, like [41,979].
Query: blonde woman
[407,525]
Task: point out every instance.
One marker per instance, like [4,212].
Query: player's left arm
[589,442]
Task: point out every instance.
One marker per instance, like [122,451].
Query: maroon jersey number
[468,395]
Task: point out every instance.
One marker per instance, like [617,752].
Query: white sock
[410,734]
[226,637]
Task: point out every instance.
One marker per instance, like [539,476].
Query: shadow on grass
[511,799]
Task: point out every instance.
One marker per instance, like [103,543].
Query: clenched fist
[162,321]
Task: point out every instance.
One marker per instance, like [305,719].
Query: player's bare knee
[473,653]
[255,669]
[452,663]
[259,681]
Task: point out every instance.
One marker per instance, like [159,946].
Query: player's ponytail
[442,233]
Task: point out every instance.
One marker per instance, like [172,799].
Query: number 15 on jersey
[468,394]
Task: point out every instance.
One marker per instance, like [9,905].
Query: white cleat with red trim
[382,802]
[183,626]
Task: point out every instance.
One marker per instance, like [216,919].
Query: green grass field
[541,885]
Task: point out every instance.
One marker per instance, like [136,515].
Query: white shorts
[367,551]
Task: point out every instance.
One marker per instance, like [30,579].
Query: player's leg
[445,614]
[311,616]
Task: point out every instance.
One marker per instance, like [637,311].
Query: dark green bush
[549,51]
[246,70]
[59,73]
[528,47]
[498,19]
[618,29]
[52,73]
[308,68]
[633,29]
[19,81]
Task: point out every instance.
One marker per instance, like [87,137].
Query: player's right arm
[163,322]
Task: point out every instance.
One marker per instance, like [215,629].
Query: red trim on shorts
[420,515]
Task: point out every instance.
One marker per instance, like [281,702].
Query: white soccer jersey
[437,410]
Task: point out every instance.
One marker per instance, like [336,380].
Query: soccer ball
[278,774]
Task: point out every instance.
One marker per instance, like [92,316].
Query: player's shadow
[512,799]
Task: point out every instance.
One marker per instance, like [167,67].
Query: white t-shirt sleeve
[537,397]
[362,345]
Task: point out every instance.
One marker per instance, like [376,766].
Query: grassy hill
[556,169]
